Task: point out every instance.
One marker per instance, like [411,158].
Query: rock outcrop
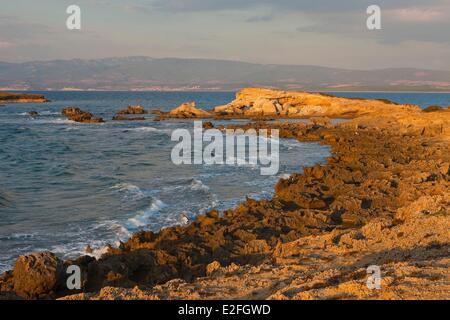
[37,275]
[132,110]
[9,97]
[77,115]
[124,115]
[187,110]
[266,103]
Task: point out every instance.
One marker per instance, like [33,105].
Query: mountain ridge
[146,73]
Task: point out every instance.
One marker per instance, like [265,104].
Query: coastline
[380,166]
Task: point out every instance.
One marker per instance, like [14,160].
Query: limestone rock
[77,115]
[132,110]
[37,274]
[188,110]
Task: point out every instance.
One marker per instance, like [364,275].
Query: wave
[142,218]
[99,247]
[131,191]
[145,129]
[20,236]
[150,129]
[42,113]
[54,121]
[198,185]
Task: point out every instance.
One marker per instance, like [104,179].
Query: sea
[65,186]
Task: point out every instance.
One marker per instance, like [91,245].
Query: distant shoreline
[227,91]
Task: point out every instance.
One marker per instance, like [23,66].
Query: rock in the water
[77,115]
[188,110]
[119,117]
[37,274]
[33,114]
[132,110]
[10,97]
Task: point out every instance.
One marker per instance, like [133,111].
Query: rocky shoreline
[382,199]
[9,97]
[266,104]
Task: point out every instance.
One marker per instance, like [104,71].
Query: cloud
[416,14]
[135,8]
[13,28]
[6,44]
[261,18]
[410,23]
[308,6]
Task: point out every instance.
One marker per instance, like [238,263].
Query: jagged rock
[208,125]
[320,121]
[77,115]
[132,110]
[188,110]
[257,102]
[213,267]
[263,107]
[266,102]
[37,274]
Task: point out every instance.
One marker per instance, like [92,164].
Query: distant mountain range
[143,73]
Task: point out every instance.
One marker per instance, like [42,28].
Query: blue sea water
[64,185]
[422,99]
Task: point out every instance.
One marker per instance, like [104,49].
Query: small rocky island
[10,97]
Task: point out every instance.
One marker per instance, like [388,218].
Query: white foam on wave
[19,236]
[54,121]
[145,129]
[78,247]
[130,191]
[150,129]
[285,176]
[42,113]
[141,219]
[198,185]
[49,113]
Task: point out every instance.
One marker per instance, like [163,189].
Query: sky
[311,32]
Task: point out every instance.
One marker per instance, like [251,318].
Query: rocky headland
[9,97]
[382,199]
[256,103]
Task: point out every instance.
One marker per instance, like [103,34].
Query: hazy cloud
[323,6]
[261,18]
[13,28]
